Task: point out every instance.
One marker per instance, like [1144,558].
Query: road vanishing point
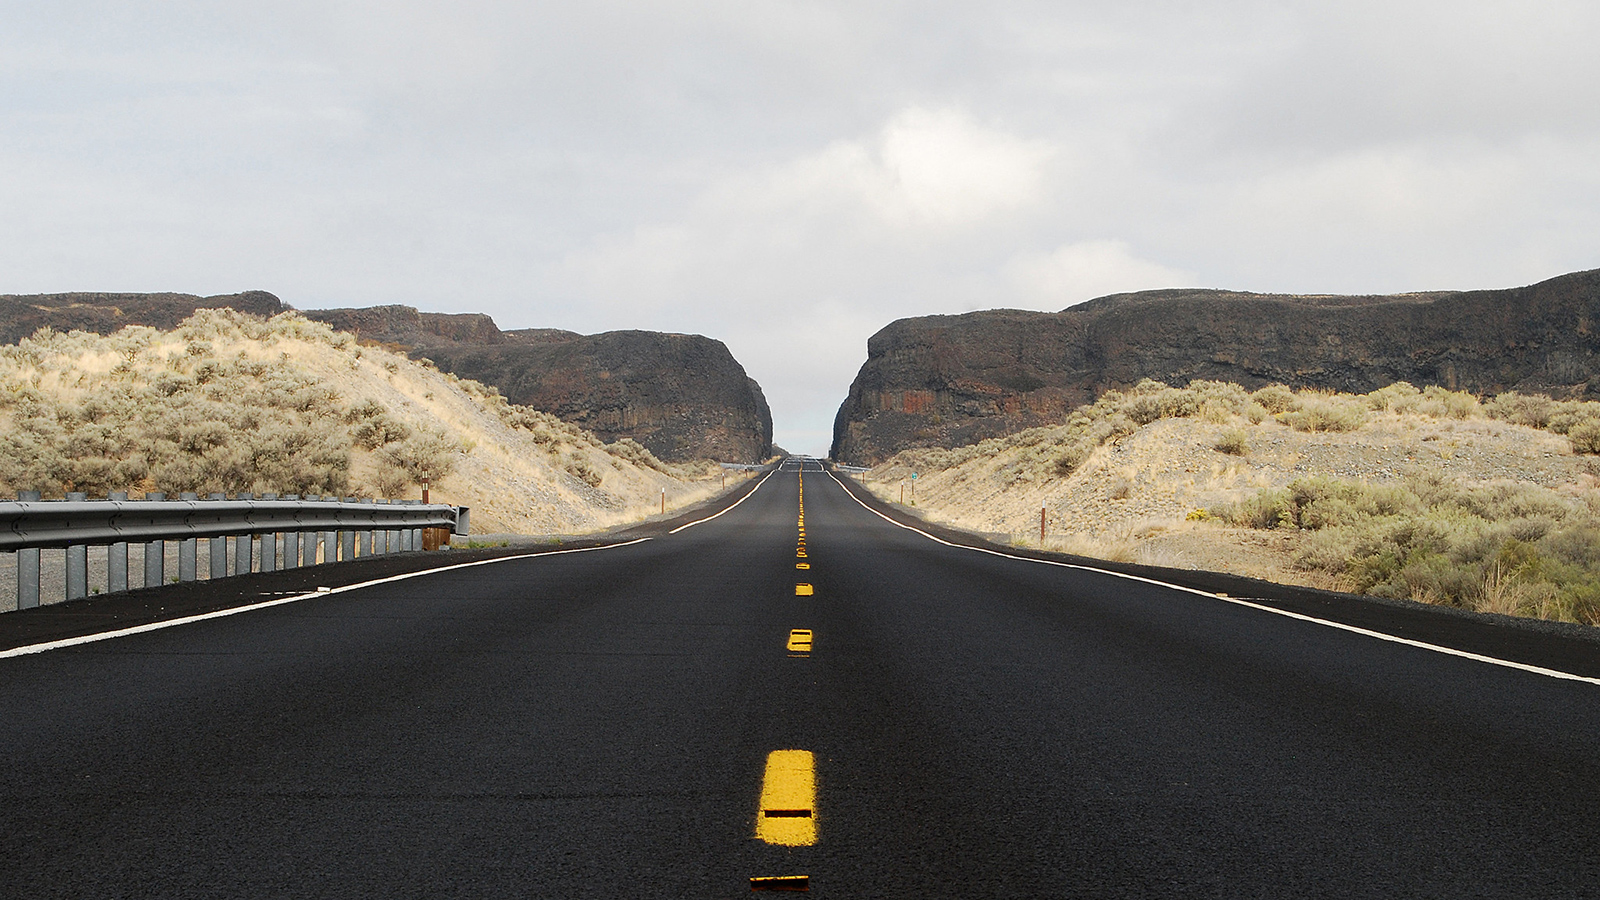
[802,690]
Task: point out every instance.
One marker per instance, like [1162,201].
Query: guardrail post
[28,565]
[117,558]
[309,541]
[241,544]
[188,550]
[366,536]
[269,545]
[155,559]
[77,561]
[380,539]
[218,548]
[291,542]
[347,539]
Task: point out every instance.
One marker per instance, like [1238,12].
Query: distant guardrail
[744,467]
[853,470]
[303,531]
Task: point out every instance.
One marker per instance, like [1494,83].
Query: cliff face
[952,380]
[23,314]
[405,326]
[683,396]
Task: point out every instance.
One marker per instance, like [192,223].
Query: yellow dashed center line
[802,590]
[788,799]
[780,883]
[802,565]
[800,640]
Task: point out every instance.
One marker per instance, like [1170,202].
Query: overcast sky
[790,177]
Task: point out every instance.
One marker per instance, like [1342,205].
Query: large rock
[681,395]
[952,380]
[23,314]
[406,327]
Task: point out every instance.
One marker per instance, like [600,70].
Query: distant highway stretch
[802,694]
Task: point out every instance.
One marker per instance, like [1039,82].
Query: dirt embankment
[231,402]
[1457,507]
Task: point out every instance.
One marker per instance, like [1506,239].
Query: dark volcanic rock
[952,380]
[406,326]
[681,395]
[23,314]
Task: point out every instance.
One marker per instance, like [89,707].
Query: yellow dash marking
[788,799]
[781,883]
[802,590]
[802,565]
[800,640]
[800,555]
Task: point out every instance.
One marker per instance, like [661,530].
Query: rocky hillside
[231,402]
[23,314]
[944,381]
[682,396]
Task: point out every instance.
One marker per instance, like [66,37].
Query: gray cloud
[789,177]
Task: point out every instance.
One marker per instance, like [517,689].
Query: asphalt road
[597,724]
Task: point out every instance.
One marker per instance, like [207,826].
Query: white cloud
[940,166]
[791,176]
[1073,273]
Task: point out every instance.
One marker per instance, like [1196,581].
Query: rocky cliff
[682,396]
[23,314]
[952,380]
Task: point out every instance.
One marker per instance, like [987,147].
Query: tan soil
[1129,501]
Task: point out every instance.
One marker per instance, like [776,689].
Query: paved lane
[599,724]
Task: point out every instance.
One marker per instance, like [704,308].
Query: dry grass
[1301,487]
[228,402]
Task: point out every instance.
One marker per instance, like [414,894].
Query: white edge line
[218,614]
[1436,648]
[731,508]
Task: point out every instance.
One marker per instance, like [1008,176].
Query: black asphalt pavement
[595,722]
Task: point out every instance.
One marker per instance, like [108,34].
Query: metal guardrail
[853,470]
[261,530]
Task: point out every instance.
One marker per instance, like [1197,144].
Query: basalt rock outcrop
[23,314]
[952,380]
[682,396]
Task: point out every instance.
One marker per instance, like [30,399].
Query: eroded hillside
[232,402]
[1425,495]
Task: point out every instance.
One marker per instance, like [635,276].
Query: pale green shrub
[1585,436]
[1325,412]
[1234,441]
[1500,547]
